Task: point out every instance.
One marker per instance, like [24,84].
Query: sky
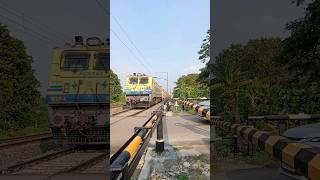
[238,21]
[163,36]
[45,24]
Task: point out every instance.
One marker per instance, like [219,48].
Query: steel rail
[20,165]
[25,139]
[81,166]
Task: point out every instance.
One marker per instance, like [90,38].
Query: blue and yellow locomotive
[78,92]
[143,91]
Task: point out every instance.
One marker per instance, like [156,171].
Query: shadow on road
[195,119]
[194,129]
[257,173]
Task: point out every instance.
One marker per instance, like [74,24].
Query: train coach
[78,92]
[142,91]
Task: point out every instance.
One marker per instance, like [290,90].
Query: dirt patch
[190,164]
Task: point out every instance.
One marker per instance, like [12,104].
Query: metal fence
[125,160]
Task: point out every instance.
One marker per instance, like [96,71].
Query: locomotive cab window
[102,61]
[143,80]
[76,61]
[133,80]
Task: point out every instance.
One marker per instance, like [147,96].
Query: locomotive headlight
[148,90]
[94,41]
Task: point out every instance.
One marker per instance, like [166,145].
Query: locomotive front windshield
[76,61]
[102,61]
[143,80]
[133,80]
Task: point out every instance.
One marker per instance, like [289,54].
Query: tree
[188,86]
[246,78]
[204,53]
[115,88]
[18,85]
[204,57]
[301,55]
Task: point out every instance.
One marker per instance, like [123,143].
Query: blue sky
[168,33]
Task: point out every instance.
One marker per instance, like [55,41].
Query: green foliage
[188,86]
[247,79]
[191,111]
[301,55]
[270,75]
[204,57]
[115,89]
[204,53]
[18,95]
[35,121]
[182,176]
[260,158]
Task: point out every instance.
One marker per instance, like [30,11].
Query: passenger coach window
[143,80]
[102,61]
[133,80]
[76,61]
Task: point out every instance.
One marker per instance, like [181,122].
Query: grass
[117,103]
[202,158]
[192,112]
[177,148]
[34,122]
[260,158]
[192,174]
[12,133]
[182,176]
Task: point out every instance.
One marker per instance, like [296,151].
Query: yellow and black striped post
[299,156]
[197,108]
[131,149]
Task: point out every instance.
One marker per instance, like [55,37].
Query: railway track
[121,111]
[135,112]
[5,143]
[61,162]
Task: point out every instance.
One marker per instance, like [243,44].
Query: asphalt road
[261,173]
[183,129]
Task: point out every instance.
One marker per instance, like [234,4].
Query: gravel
[189,165]
[14,154]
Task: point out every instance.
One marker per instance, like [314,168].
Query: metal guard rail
[125,160]
[197,108]
[299,156]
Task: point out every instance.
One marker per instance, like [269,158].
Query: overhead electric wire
[101,5]
[44,41]
[30,30]
[130,40]
[129,49]
[44,27]
[118,37]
